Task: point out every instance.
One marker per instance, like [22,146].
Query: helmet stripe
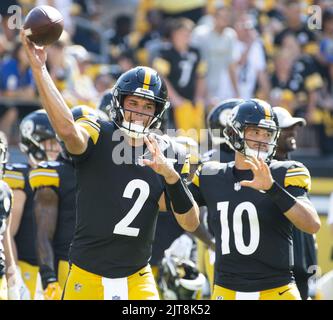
[146,81]
[268,115]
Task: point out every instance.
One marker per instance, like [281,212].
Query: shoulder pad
[293,173]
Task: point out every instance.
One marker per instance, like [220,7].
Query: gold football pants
[287,292]
[84,285]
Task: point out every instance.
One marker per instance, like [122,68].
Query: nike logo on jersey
[281,293]
[143,273]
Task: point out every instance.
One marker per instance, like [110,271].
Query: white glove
[17,290]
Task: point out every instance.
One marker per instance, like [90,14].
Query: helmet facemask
[136,130]
[235,133]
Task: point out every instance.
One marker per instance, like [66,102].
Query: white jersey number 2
[122,227]
[241,247]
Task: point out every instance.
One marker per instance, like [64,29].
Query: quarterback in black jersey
[54,186]
[118,196]
[252,205]
[220,152]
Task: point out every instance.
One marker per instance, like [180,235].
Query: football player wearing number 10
[117,201]
[253,203]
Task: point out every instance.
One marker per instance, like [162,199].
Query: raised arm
[75,137]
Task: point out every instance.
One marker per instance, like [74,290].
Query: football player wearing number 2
[253,203]
[117,202]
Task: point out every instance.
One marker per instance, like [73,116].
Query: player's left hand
[262,177]
[159,163]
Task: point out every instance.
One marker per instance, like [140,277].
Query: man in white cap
[288,125]
[305,255]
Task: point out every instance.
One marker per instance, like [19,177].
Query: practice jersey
[6,199]
[117,201]
[17,177]
[253,237]
[60,176]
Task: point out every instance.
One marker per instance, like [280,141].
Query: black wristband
[180,197]
[281,197]
[48,275]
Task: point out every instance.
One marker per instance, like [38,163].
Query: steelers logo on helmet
[141,82]
[254,113]
[218,117]
[34,129]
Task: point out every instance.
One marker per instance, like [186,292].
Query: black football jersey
[117,201]
[6,199]
[60,176]
[253,237]
[17,177]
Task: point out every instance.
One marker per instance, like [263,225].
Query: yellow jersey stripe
[44,178]
[90,121]
[92,131]
[186,166]
[302,181]
[13,173]
[196,180]
[146,81]
[14,183]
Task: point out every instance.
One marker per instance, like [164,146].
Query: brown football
[43,25]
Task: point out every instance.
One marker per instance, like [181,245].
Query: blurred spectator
[103,82]
[323,117]
[185,72]
[217,44]
[4,46]
[295,24]
[16,81]
[83,91]
[126,61]
[325,56]
[151,40]
[297,79]
[16,78]
[60,65]
[191,9]
[251,64]
[5,16]
[121,40]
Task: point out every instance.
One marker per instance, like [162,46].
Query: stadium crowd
[207,51]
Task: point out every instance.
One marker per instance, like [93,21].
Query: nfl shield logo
[237,186]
